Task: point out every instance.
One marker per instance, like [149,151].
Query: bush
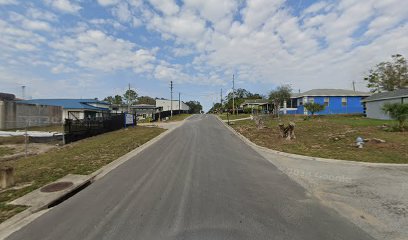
[247,110]
[397,111]
[313,107]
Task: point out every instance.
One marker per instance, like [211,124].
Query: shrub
[397,111]
[313,107]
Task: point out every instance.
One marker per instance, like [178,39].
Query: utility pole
[221,101]
[233,94]
[354,86]
[23,91]
[179,103]
[171,99]
[128,102]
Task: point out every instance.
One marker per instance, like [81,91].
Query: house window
[326,101]
[344,101]
[311,99]
[300,102]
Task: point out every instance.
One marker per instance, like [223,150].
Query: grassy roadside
[332,137]
[179,117]
[233,116]
[82,157]
[6,151]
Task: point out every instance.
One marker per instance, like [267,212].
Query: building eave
[385,98]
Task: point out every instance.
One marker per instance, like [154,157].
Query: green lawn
[332,137]
[233,116]
[82,157]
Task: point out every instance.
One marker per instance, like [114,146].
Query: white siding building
[166,105]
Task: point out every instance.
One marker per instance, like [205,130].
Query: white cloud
[64,5]
[255,13]
[168,7]
[14,38]
[27,23]
[122,12]
[36,25]
[61,68]
[316,7]
[328,44]
[104,22]
[108,2]
[212,10]
[185,27]
[39,14]
[94,49]
[8,2]
[182,52]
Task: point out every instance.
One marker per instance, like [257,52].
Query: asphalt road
[198,182]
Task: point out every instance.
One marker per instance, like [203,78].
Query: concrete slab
[40,199]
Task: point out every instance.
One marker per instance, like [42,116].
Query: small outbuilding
[373,104]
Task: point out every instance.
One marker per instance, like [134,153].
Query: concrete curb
[308,158]
[23,218]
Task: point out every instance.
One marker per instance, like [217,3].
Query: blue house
[337,101]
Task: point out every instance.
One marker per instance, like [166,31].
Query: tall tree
[195,106]
[117,100]
[146,100]
[215,108]
[389,76]
[130,96]
[279,95]
[108,99]
[241,95]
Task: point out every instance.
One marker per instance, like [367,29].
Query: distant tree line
[131,97]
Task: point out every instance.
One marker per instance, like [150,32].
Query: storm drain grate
[55,187]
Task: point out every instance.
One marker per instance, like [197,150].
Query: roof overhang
[384,98]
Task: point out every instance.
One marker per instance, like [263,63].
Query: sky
[96,48]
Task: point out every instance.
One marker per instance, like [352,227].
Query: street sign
[129,119]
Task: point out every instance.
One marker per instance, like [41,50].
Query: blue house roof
[70,103]
[330,93]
